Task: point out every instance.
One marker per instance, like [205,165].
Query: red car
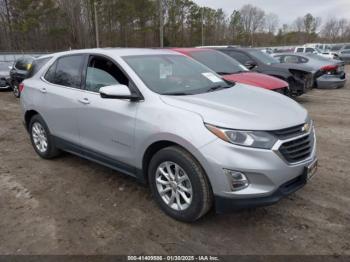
[232,70]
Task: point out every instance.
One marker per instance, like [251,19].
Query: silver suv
[163,118]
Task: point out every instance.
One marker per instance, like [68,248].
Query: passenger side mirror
[10,67]
[118,92]
[250,64]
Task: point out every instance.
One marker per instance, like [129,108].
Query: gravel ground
[72,206]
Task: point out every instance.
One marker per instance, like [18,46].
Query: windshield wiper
[177,94]
[218,87]
[224,73]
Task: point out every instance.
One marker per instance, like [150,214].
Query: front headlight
[257,139]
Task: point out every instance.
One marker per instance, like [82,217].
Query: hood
[242,107]
[257,79]
[301,67]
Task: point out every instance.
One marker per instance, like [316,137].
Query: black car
[19,72]
[5,75]
[299,77]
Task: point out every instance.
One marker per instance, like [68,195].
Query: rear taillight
[329,68]
[21,87]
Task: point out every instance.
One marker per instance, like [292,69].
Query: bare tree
[271,23]
[253,19]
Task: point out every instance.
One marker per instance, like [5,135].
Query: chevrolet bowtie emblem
[306,128]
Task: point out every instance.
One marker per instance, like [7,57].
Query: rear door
[62,92]
[106,125]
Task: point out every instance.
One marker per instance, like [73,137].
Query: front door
[106,125]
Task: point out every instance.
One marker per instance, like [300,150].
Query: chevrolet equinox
[167,120]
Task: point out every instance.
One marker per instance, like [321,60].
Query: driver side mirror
[118,92]
[250,65]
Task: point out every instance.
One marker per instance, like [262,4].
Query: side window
[300,50]
[68,71]
[241,57]
[309,50]
[50,74]
[103,72]
[37,65]
[279,58]
[291,59]
[303,60]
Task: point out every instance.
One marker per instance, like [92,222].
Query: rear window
[37,65]
[300,50]
[23,63]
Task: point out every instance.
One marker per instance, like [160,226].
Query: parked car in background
[5,75]
[299,77]
[19,72]
[231,70]
[345,55]
[329,73]
[164,118]
[314,50]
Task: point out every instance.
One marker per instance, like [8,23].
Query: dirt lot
[72,206]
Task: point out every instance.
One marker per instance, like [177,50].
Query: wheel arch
[156,146]
[28,116]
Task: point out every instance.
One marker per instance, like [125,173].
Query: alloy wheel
[174,186]
[39,137]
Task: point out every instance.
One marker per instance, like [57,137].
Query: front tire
[179,184]
[42,141]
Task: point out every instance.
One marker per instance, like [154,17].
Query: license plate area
[311,169]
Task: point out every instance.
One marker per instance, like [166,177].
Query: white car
[312,50]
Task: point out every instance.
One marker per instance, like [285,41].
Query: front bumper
[4,84]
[225,204]
[331,81]
[270,176]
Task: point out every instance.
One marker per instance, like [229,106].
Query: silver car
[161,117]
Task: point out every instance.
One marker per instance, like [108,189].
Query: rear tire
[42,141]
[184,192]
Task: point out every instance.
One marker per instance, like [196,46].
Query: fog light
[238,180]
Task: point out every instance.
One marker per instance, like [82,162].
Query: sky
[287,10]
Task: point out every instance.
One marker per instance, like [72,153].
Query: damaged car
[329,73]
[299,77]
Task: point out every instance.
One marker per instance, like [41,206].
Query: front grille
[289,132]
[298,149]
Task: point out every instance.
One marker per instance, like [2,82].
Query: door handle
[43,90]
[85,101]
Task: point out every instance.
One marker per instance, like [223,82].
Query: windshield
[175,74]
[262,57]
[4,66]
[219,62]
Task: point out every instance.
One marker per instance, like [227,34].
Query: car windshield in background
[175,74]
[219,62]
[262,57]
